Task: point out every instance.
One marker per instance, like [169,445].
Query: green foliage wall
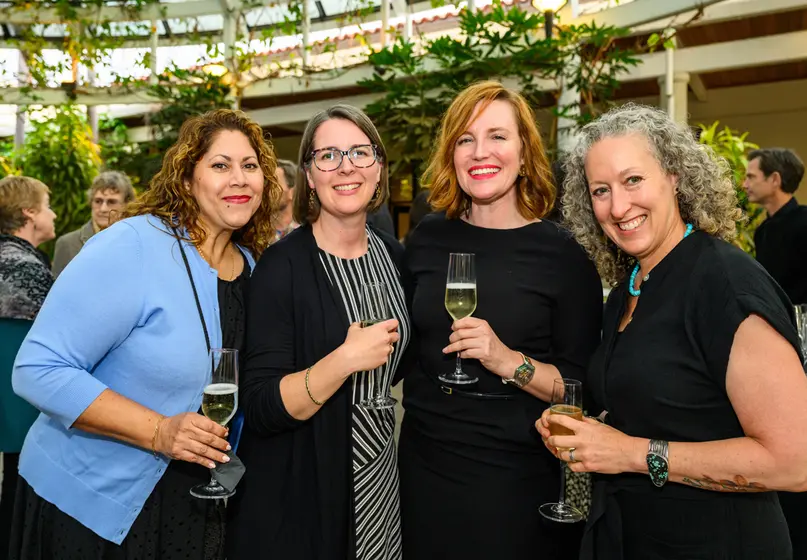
[418,82]
[735,147]
[60,153]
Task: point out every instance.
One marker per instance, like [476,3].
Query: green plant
[734,147]
[418,82]
[7,166]
[60,152]
[118,153]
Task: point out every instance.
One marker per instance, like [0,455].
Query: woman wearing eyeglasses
[321,480]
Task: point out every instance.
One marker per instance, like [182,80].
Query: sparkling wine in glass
[460,303]
[219,403]
[375,309]
[567,399]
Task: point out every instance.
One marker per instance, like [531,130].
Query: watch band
[658,464]
[515,380]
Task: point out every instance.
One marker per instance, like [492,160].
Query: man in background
[772,176]
[286,174]
[109,193]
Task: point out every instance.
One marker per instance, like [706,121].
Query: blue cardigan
[121,316]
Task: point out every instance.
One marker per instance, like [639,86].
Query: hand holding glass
[567,399]
[375,309]
[460,303]
[219,403]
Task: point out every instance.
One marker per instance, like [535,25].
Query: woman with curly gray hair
[699,367]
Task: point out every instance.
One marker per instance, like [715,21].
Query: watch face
[657,468]
[524,374]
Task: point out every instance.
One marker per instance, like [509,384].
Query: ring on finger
[571,455]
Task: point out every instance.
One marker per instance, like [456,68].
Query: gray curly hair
[706,195]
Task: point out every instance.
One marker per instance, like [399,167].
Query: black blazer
[296,498]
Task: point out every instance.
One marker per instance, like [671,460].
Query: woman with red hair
[473,469]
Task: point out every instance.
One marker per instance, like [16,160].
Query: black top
[25,278]
[664,376]
[295,498]
[781,244]
[541,296]
[232,309]
[189,528]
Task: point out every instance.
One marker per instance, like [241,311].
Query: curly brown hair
[535,187]
[706,195]
[169,199]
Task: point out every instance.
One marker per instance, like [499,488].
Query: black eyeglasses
[330,159]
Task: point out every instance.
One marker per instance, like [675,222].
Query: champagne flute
[375,309]
[567,399]
[460,303]
[219,403]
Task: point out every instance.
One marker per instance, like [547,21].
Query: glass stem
[562,499]
[458,369]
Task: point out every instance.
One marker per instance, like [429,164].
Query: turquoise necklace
[635,292]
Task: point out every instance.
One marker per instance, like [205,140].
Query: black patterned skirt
[173,525]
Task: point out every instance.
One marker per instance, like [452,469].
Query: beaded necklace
[636,292]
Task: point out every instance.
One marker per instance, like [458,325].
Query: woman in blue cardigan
[117,359]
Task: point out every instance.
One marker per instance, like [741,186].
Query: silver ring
[571,455]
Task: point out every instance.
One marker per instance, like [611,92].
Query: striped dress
[375,472]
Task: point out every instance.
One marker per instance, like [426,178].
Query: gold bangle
[308,389]
[154,436]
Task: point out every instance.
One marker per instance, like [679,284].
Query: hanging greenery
[86,37]
[59,151]
[418,82]
[734,147]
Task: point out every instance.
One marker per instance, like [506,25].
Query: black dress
[173,525]
[474,470]
[664,377]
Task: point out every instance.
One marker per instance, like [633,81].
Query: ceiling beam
[639,12]
[698,87]
[728,10]
[730,55]
[187,9]
[695,82]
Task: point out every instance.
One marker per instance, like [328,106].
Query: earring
[312,195]
[377,193]
[522,171]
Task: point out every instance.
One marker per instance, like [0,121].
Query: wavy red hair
[535,187]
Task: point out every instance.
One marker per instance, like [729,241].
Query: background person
[287,177]
[26,221]
[109,193]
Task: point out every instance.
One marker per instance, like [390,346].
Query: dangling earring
[312,195]
[377,193]
[522,172]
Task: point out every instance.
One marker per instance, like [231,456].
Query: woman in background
[26,221]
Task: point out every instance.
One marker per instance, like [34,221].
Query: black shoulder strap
[193,286]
